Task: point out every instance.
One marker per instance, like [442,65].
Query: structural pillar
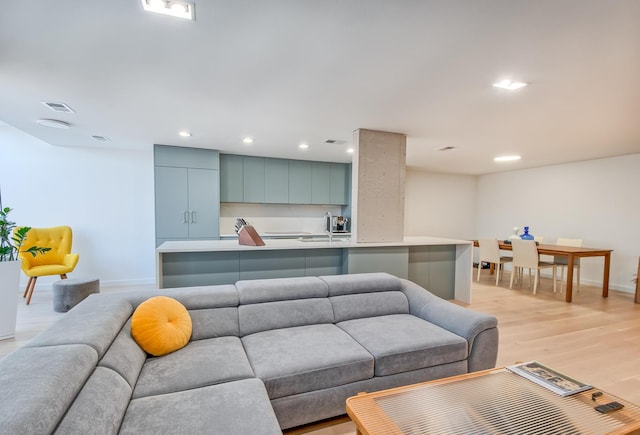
[378,186]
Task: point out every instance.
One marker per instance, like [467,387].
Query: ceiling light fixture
[248,140]
[174,8]
[54,123]
[185,133]
[350,150]
[303,146]
[506,158]
[509,85]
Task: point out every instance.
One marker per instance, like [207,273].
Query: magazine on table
[549,378]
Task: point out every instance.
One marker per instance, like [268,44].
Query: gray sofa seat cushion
[306,358]
[233,408]
[402,342]
[198,364]
[38,384]
[88,415]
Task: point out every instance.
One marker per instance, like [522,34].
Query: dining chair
[57,261]
[525,256]
[490,253]
[562,261]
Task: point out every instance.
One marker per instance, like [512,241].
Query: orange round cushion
[161,325]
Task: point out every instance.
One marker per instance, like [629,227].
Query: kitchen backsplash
[276,218]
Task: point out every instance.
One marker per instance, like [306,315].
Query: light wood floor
[593,339]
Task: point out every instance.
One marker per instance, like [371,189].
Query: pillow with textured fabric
[161,325]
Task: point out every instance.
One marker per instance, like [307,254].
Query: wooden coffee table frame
[370,419]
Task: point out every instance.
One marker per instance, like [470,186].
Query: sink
[322,239]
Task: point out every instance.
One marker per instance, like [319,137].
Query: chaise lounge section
[264,355]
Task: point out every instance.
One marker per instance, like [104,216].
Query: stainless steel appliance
[336,224]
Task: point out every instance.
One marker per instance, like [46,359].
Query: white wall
[440,205]
[105,196]
[595,200]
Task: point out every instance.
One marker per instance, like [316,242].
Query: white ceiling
[291,71]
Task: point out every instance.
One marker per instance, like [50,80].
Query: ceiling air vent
[101,138]
[335,141]
[58,107]
[447,148]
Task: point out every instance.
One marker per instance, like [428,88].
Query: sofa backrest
[267,304]
[365,295]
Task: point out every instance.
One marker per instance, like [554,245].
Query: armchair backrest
[59,239]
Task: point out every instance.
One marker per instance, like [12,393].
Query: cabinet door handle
[185,217]
[193,217]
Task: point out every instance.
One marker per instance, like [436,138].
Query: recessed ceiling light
[303,146]
[54,123]
[506,158]
[350,150]
[185,133]
[247,140]
[509,85]
[174,8]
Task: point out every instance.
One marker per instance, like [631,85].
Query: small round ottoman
[67,293]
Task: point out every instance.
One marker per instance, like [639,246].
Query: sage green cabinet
[187,200]
[231,178]
[299,182]
[340,183]
[253,179]
[276,181]
[320,183]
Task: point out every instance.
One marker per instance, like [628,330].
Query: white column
[378,186]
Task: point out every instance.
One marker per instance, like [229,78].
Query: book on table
[549,378]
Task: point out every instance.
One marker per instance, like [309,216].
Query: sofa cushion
[280,289]
[89,415]
[283,314]
[214,322]
[233,408]
[402,342]
[356,306]
[200,363]
[95,322]
[361,283]
[125,356]
[38,384]
[306,358]
[161,325]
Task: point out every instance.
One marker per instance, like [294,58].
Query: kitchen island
[443,266]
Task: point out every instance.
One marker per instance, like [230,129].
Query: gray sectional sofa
[265,355]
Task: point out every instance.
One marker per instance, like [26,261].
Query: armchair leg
[63,276]
[29,290]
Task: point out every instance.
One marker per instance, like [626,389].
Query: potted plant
[10,246]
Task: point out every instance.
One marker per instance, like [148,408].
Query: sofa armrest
[479,329]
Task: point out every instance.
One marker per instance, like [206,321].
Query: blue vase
[526,235]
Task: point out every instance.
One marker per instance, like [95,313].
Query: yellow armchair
[58,261]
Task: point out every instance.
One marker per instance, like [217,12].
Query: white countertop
[282,244]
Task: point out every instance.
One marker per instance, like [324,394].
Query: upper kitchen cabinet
[299,182]
[320,183]
[231,178]
[187,200]
[276,181]
[252,179]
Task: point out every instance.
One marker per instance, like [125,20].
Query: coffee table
[493,401]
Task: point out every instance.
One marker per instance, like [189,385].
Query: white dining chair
[562,262]
[525,256]
[490,253]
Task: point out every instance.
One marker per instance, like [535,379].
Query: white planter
[9,288]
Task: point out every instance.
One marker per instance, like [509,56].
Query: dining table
[572,253]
